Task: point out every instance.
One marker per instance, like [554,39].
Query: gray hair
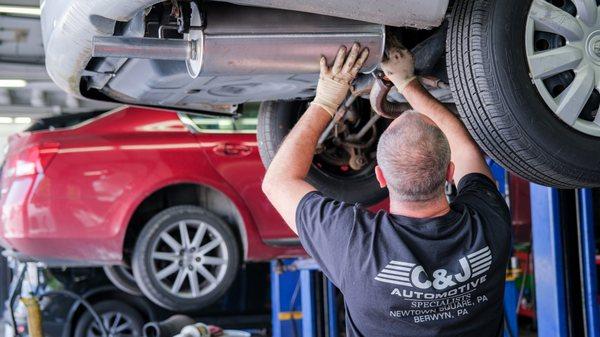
[414,155]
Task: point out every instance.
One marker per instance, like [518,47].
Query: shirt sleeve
[479,192]
[325,226]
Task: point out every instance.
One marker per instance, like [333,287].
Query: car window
[62,121]
[244,123]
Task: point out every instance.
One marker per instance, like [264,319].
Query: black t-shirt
[403,276]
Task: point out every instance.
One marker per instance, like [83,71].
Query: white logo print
[409,274]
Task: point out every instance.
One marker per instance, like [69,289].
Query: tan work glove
[334,82]
[399,67]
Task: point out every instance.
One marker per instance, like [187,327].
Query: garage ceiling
[25,88]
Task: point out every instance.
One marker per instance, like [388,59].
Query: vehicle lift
[564,245]
[305,303]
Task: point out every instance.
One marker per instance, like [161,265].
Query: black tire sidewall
[87,319]
[142,268]
[122,282]
[275,120]
[548,125]
[563,156]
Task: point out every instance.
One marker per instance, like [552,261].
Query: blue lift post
[293,299]
[551,308]
[285,299]
[307,285]
[548,262]
[587,239]
[511,292]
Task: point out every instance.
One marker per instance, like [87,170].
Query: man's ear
[380,177]
[450,172]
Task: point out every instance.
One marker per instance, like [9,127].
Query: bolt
[180,263]
[190,267]
[198,259]
[193,249]
[357,162]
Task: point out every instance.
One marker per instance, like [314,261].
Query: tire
[275,120]
[501,108]
[88,327]
[122,278]
[146,269]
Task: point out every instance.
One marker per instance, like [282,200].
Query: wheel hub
[188,259]
[593,46]
[575,61]
[115,323]
[349,150]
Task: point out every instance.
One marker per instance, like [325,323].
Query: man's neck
[420,209]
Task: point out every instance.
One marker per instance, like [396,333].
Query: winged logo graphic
[410,274]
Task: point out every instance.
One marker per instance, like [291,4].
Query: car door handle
[232,150]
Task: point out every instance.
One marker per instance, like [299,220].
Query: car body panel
[232,154]
[79,208]
[398,13]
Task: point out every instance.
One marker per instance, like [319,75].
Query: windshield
[245,122]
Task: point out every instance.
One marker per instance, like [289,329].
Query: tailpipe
[228,40]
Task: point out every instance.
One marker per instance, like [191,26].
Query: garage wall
[5,131]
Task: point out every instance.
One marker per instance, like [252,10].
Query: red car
[176,196]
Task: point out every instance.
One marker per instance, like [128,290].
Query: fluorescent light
[22,120]
[23,10]
[12,83]
[14,120]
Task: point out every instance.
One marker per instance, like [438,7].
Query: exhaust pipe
[249,40]
[167,328]
[142,47]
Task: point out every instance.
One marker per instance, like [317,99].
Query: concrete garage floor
[527,333]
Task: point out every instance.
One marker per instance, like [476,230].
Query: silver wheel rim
[115,323]
[579,53]
[189,258]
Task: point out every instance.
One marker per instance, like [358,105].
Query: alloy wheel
[189,258]
[115,323]
[562,42]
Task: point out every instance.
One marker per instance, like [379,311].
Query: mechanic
[427,267]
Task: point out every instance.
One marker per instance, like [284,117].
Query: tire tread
[480,108]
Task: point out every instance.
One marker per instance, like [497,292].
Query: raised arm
[284,182]
[465,154]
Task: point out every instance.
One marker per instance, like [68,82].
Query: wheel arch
[186,193]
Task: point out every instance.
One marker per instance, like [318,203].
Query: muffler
[229,40]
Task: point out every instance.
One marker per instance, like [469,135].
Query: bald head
[414,154]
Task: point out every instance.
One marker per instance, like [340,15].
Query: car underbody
[211,56]
[215,55]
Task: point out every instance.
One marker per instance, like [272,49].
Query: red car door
[231,147]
